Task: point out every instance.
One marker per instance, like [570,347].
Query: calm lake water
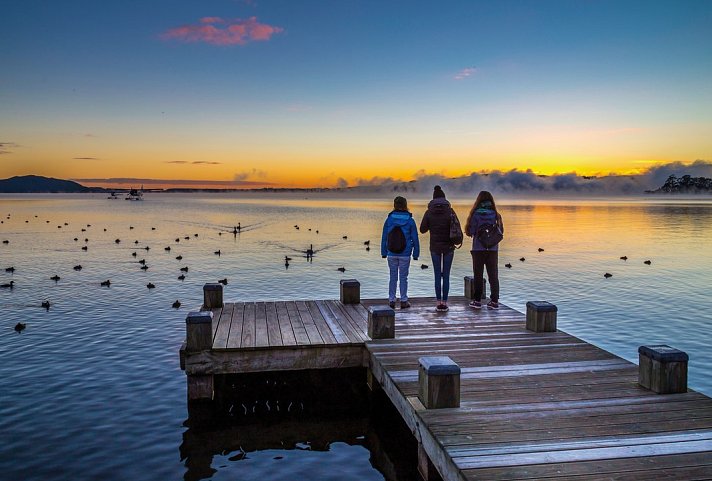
[92,389]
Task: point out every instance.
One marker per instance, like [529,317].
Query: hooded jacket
[484,215]
[437,221]
[404,219]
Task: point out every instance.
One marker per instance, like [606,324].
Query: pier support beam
[381,322]
[662,369]
[439,382]
[199,337]
[350,291]
[212,295]
[541,316]
[426,468]
[470,288]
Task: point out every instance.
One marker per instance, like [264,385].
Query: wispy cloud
[85,158]
[131,181]
[250,174]
[6,146]
[221,31]
[195,162]
[464,73]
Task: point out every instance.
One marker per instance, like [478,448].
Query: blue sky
[353,87]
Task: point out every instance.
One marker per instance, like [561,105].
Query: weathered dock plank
[234,338]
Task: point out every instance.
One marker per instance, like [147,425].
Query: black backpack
[456,235]
[396,240]
[489,235]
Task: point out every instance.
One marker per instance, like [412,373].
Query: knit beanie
[438,192]
[399,203]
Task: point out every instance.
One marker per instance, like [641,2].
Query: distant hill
[684,185]
[38,184]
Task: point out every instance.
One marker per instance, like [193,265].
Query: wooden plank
[309,324]
[248,325]
[273,328]
[223,327]
[216,316]
[338,332]
[325,331]
[344,320]
[285,326]
[333,320]
[261,331]
[234,339]
[300,332]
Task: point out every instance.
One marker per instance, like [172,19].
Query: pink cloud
[220,31]
[464,73]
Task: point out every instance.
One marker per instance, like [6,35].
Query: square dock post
[199,337]
[212,295]
[662,369]
[350,291]
[470,288]
[381,322]
[439,381]
[541,316]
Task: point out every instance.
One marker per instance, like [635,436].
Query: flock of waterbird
[308,253]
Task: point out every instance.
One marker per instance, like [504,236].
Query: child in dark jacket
[484,211]
[437,220]
[399,262]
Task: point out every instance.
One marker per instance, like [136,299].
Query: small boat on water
[135,194]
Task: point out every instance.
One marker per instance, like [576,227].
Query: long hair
[481,197]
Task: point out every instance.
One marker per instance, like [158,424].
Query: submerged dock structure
[488,394]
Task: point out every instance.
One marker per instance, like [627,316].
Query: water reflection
[276,425]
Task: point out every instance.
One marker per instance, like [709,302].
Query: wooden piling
[470,288]
[350,291]
[662,369]
[426,468]
[439,382]
[212,295]
[541,316]
[381,322]
[199,337]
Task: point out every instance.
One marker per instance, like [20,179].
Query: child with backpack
[399,241]
[484,225]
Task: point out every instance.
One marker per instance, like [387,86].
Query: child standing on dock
[484,217]
[437,220]
[399,241]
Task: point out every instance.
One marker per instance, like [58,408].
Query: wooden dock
[532,405]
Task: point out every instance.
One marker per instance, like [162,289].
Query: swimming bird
[522,259]
[607,275]
[147,248]
[286,263]
[647,262]
[144,267]
[55,278]
[20,326]
[153,228]
[135,242]
[167,248]
[423,266]
[83,229]
[219,233]
[181,277]
[508,265]
[130,227]
[76,239]
[194,235]
[540,249]
[78,267]
[86,240]
[345,237]
[296,226]
[179,257]
[10,285]
[117,241]
[46,304]
[177,239]
[176,304]
[184,269]
[85,248]
[223,281]
[341,269]
[151,285]
[10,269]
[6,241]
[106,283]
[142,261]
[367,243]
[624,258]
[310,251]
[287,258]
[134,254]
[217,252]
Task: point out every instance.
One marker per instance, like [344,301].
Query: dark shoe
[392,305]
[442,307]
[475,304]
[405,304]
[493,305]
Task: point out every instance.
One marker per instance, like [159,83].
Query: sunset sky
[324,93]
